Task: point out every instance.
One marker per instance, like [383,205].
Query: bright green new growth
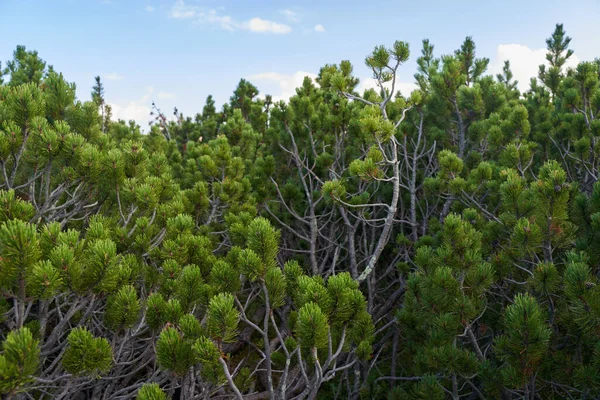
[86,354]
[19,361]
[122,308]
[151,391]
[173,352]
[222,318]
[311,327]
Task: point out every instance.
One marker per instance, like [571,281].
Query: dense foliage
[437,244]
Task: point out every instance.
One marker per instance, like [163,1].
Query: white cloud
[370,83]
[524,62]
[113,76]
[224,21]
[149,8]
[138,110]
[319,28]
[280,86]
[265,26]
[165,95]
[283,86]
[181,10]
[291,15]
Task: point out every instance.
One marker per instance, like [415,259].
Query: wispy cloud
[137,110]
[290,15]
[181,10]
[184,11]
[319,28]
[264,26]
[165,95]
[113,76]
[224,21]
[280,86]
[404,87]
[149,8]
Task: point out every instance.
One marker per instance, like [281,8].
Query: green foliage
[25,67]
[44,280]
[173,353]
[86,354]
[19,250]
[525,342]
[14,208]
[311,327]
[102,267]
[222,318]
[122,308]
[151,391]
[19,360]
[208,354]
[156,311]
[334,191]
[335,245]
[190,327]
[263,239]
[276,287]
[189,287]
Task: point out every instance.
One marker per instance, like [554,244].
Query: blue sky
[177,52]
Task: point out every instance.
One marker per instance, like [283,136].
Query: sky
[177,52]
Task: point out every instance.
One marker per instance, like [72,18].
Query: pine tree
[19,361]
[557,55]
[506,77]
[433,244]
[99,100]
[25,67]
